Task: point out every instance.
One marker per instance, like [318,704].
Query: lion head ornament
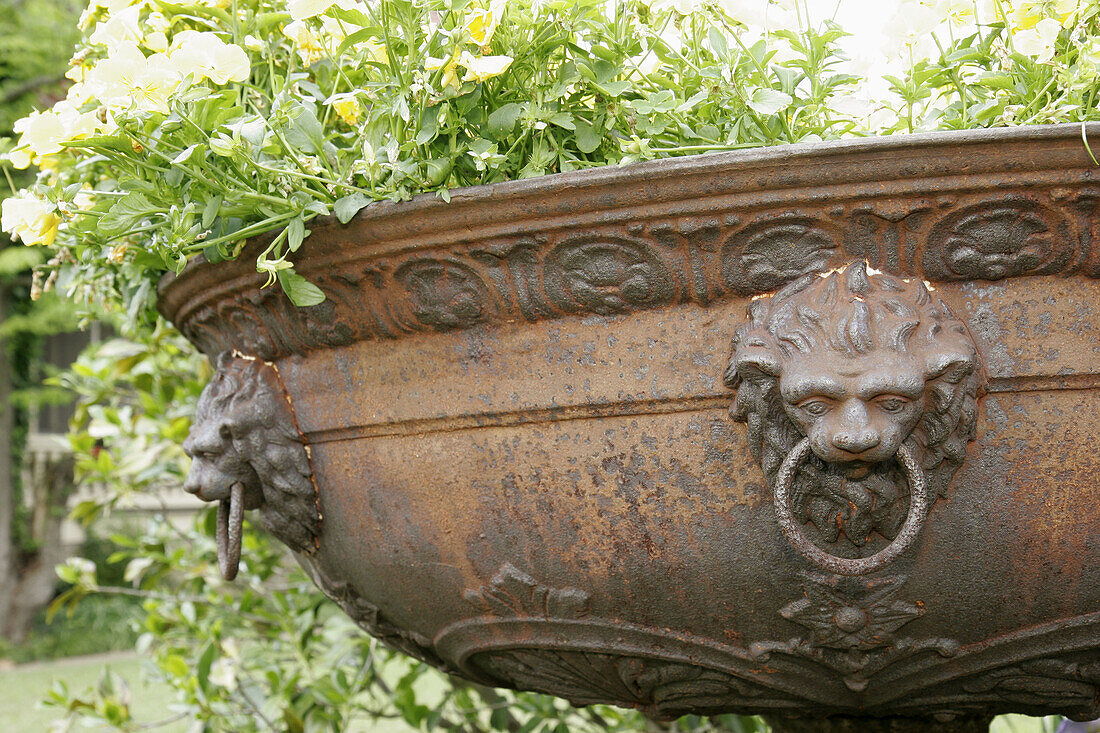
[245,441]
[857,387]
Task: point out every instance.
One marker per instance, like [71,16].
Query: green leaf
[691,101]
[995,80]
[305,131]
[613,88]
[364,34]
[110,142]
[210,211]
[429,126]
[126,213]
[503,119]
[587,137]
[176,666]
[300,291]
[401,107]
[768,101]
[718,42]
[563,120]
[350,205]
[295,233]
[186,154]
[355,17]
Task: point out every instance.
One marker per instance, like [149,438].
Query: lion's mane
[254,417]
[855,313]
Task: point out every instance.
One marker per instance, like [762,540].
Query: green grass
[21,689]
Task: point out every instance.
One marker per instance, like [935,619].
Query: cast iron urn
[802,431]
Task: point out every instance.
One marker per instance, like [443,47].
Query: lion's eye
[891,403]
[815,408]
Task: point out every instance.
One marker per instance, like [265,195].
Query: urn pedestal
[805,432]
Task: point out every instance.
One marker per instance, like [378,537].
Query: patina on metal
[513,413]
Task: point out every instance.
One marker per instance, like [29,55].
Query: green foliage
[34,47]
[102,623]
[351,104]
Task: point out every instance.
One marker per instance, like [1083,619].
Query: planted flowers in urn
[492,417]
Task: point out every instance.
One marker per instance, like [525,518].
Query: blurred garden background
[112,613]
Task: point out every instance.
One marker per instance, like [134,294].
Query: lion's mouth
[856,464]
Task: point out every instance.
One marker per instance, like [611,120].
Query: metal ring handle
[918,506]
[227,531]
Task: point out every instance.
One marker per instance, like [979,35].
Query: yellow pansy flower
[155,41]
[306,42]
[20,158]
[481,68]
[449,66]
[484,23]
[40,133]
[29,219]
[1038,40]
[347,108]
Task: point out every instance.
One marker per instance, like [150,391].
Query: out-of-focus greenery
[36,41]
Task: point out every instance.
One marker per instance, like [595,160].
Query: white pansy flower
[306,42]
[683,7]
[120,27]
[42,133]
[206,56]
[156,41]
[909,31]
[1038,40]
[752,13]
[302,9]
[127,78]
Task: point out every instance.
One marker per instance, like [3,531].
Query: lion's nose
[856,441]
[194,484]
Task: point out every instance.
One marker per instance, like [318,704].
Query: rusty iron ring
[227,531]
[918,505]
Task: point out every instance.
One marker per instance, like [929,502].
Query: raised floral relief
[444,294]
[852,625]
[660,687]
[513,592]
[839,620]
[996,240]
[767,255]
[851,655]
[1070,686]
[644,265]
[606,276]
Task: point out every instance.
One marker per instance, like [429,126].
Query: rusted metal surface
[515,412]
